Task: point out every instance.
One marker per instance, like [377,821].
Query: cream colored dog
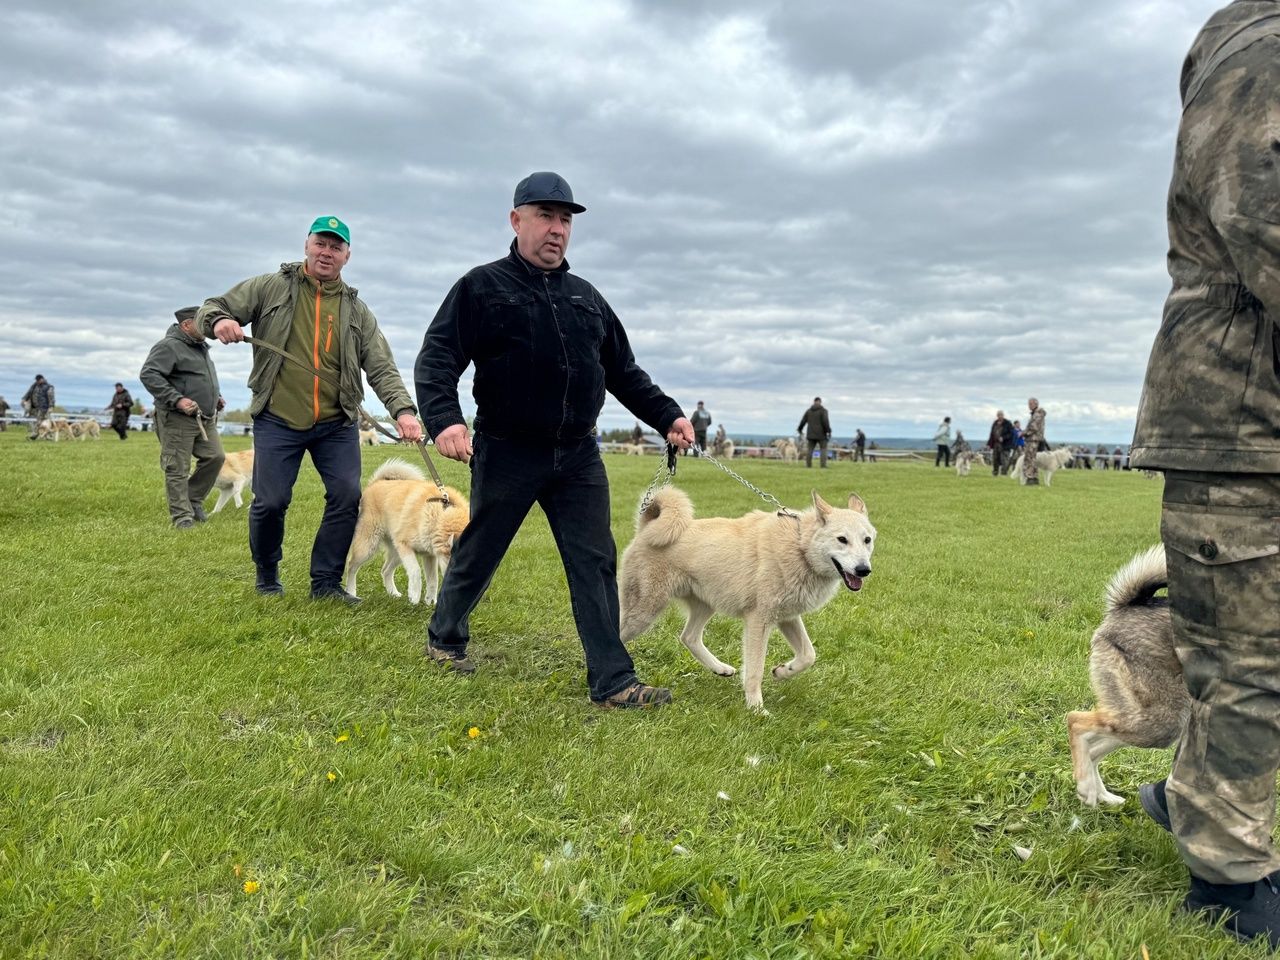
[764,568]
[1047,463]
[235,475]
[402,511]
[84,429]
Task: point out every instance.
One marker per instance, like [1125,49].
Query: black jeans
[568,481]
[334,446]
[944,453]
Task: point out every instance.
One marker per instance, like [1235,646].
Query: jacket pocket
[1213,539]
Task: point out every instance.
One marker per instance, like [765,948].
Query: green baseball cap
[331,225]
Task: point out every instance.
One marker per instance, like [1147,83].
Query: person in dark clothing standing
[180,375]
[38,401]
[701,420]
[1000,440]
[120,406]
[816,428]
[546,346]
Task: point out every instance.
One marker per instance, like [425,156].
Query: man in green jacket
[180,375]
[311,407]
[1209,418]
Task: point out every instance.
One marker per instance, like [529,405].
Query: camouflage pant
[1028,454]
[180,440]
[1222,538]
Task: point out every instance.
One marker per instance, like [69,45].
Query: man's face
[542,233]
[327,254]
[999,414]
[1032,405]
[191,329]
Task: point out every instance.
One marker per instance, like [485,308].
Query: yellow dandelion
[341,738]
[473,732]
[331,776]
[251,886]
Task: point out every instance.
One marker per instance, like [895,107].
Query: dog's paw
[1088,794]
[723,670]
[784,671]
[1111,799]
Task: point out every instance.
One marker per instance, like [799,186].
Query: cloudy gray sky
[909,207]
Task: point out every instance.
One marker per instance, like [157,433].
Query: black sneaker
[335,593]
[186,523]
[1251,910]
[450,659]
[268,583]
[1155,802]
[197,511]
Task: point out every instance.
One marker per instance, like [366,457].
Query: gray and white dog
[1136,677]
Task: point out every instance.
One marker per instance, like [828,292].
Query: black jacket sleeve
[446,351]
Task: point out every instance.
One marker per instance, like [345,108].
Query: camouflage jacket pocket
[1214,538]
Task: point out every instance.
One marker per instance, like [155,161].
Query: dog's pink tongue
[851,581]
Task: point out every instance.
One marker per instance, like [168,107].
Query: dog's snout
[863,569]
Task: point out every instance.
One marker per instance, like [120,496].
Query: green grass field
[189,770]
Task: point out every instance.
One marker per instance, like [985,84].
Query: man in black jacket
[180,375]
[546,345]
[1000,440]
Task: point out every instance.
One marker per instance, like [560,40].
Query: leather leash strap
[364,414]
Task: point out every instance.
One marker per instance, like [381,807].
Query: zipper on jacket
[315,359]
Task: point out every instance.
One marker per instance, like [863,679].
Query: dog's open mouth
[852,581]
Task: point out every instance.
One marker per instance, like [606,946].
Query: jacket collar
[294,273]
[514,256]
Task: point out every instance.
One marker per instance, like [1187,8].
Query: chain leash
[669,470]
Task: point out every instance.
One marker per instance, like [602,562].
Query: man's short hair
[817,399]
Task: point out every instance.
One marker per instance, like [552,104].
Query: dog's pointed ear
[856,504]
[821,506]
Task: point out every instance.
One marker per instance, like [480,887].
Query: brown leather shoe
[636,696]
[450,659]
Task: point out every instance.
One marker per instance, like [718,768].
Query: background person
[4,412]
[859,445]
[1209,417]
[179,373]
[815,426]
[38,401]
[701,420]
[120,405]
[515,319]
[308,311]
[942,438]
[1000,440]
[1032,442]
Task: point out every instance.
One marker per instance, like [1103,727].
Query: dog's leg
[235,490]
[755,638]
[691,637]
[642,600]
[389,564]
[412,570]
[1090,743]
[357,556]
[223,497]
[434,569]
[798,637]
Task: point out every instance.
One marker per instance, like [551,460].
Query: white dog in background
[1047,463]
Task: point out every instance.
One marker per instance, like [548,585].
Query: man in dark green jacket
[1209,418]
[308,311]
[179,373]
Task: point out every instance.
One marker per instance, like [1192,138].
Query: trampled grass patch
[190,770]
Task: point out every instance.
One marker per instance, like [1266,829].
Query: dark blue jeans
[568,481]
[334,446]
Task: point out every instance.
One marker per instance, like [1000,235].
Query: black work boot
[268,582]
[1155,802]
[197,511]
[1252,910]
[333,591]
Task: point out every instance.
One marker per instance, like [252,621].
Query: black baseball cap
[546,187]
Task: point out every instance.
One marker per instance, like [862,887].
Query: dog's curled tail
[1136,583]
[666,517]
[396,469]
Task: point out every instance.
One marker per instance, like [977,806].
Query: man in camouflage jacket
[1033,440]
[1209,417]
[38,401]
